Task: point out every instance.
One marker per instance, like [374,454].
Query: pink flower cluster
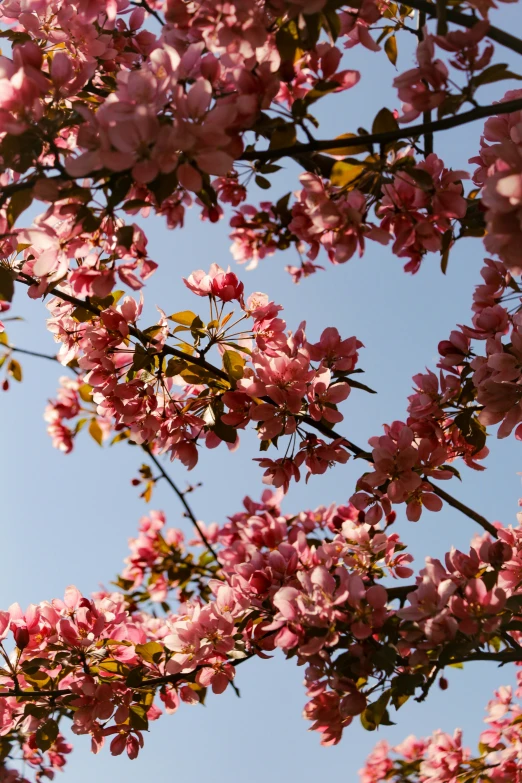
[499,174]
[283,380]
[442,758]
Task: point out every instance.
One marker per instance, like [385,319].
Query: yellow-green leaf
[345,173]
[390,47]
[95,431]
[185,317]
[355,150]
[233,364]
[6,284]
[384,122]
[150,652]
[14,369]
[85,392]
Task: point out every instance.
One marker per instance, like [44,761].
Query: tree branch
[465,20]
[143,338]
[451,501]
[479,112]
[29,695]
[181,496]
[329,433]
[38,355]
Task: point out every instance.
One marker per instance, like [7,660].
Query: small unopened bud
[21,636]
[443,684]
[287,71]
[391,517]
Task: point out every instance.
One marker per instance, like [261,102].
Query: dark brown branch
[465,20]
[426,117]
[400,593]
[502,657]
[151,11]
[143,338]
[30,695]
[478,518]
[38,355]
[329,433]
[479,112]
[181,496]
[450,500]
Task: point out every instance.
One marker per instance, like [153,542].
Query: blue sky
[67,518]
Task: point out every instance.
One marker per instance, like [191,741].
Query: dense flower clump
[314,585]
[112,112]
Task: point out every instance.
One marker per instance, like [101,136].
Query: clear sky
[66,519]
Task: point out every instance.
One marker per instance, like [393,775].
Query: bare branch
[181,496]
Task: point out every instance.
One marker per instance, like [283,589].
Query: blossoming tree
[111,111]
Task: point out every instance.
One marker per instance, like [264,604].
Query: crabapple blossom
[116,113]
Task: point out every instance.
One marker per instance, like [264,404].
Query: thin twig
[466,20]
[38,355]
[426,116]
[181,496]
[151,11]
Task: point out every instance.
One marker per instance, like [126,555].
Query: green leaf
[107,301]
[495,73]
[125,236]
[150,652]
[163,186]
[233,364]
[345,173]
[119,189]
[185,317]
[134,203]
[284,136]
[138,717]
[135,677]
[263,182]
[456,649]
[355,150]
[241,348]
[15,370]
[358,385]
[447,241]
[422,178]
[175,366]
[514,625]
[196,375]
[224,431]
[514,603]
[390,47]
[18,203]
[384,122]
[113,666]
[95,431]
[333,22]
[287,42]
[7,279]
[46,735]
[375,713]
[471,429]
[453,470]
[85,392]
